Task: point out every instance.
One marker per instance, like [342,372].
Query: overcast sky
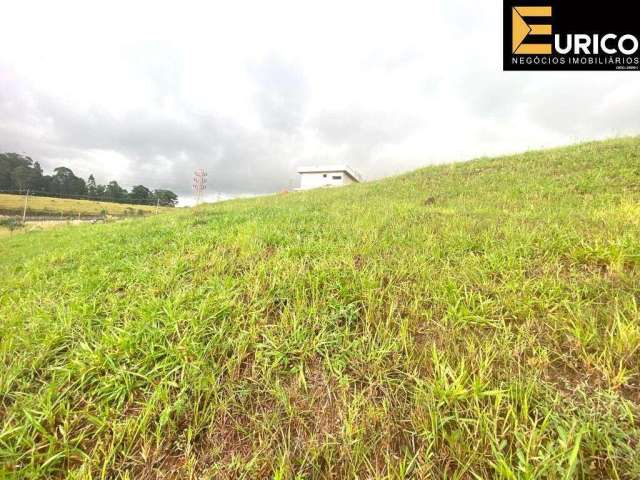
[146,92]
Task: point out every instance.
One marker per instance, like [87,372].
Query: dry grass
[37,227]
[14,204]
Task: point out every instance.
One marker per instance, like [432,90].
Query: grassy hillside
[14,204]
[476,320]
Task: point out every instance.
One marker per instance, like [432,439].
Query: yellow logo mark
[521,29]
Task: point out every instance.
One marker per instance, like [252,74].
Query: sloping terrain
[476,320]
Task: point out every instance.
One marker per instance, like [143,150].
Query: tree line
[19,173]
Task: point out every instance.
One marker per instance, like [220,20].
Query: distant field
[468,321]
[14,204]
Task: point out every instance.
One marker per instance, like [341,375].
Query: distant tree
[140,192]
[92,188]
[38,180]
[45,183]
[166,197]
[18,172]
[5,178]
[21,177]
[10,161]
[115,191]
[65,182]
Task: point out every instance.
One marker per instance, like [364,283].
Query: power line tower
[199,183]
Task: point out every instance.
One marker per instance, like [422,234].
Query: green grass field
[14,204]
[476,320]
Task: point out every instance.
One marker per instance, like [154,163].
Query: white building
[327,176]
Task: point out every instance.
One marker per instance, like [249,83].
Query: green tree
[38,180]
[92,188]
[114,191]
[65,182]
[21,177]
[140,192]
[167,197]
[5,178]
[19,172]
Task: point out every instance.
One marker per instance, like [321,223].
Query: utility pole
[24,212]
[157,204]
[199,183]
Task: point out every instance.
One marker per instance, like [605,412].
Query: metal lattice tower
[199,183]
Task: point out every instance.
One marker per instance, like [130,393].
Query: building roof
[331,169]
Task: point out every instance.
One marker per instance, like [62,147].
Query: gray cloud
[586,108]
[491,93]
[162,149]
[282,94]
[364,128]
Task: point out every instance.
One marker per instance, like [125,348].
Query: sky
[147,92]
